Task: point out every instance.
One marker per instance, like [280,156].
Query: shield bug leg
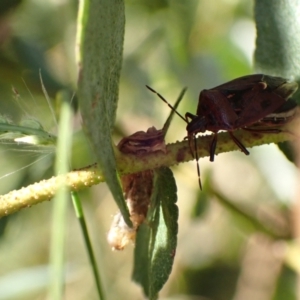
[239,144]
[197,161]
[194,154]
[189,116]
[213,147]
[192,137]
[263,130]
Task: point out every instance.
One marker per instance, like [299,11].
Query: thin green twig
[80,216]
[57,275]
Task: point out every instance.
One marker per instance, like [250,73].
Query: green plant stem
[175,154]
[80,216]
[57,267]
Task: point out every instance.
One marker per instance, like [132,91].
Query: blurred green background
[168,45]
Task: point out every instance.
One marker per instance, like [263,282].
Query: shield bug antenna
[163,99]
[191,136]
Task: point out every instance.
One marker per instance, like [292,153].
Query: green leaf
[157,239]
[278,42]
[100,59]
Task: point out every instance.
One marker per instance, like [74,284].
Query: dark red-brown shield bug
[254,102]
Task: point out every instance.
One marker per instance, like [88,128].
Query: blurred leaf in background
[168,45]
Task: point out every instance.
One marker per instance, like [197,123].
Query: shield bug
[254,102]
[241,103]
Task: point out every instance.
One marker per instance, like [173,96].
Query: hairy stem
[176,153]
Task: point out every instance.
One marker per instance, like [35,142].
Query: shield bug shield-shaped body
[246,102]
[254,102]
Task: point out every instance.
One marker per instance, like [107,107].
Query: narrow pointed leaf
[170,118]
[100,39]
[156,241]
